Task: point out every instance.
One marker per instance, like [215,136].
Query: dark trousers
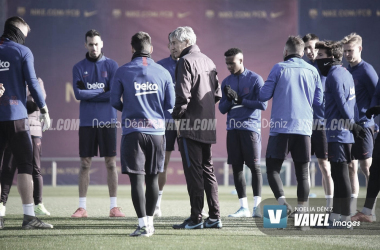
[9,169]
[200,177]
[373,187]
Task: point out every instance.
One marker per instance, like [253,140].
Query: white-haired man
[197,90]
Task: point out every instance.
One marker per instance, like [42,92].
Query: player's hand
[45,118]
[372,111]
[177,113]
[80,85]
[230,93]
[358,132]
[106,89]
[31,106]
[2,89]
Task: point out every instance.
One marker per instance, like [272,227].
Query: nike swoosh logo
[326,64]
[276,14]
[183,15]
[90,13]
[188,227]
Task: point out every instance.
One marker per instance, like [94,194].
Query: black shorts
[319,144]
[280,145]
[171,137]
[142,153]
[16,135]
[243,146]
[340,152]
[90,139]
[362,148]
[376,148]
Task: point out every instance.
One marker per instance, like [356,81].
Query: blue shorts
[142,153]
[280,145]
[90,139]
[362,148]
[243,146]
[340,152]
[171,137]
[319,144]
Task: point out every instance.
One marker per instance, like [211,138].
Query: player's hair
[17,22]
[233,52]
[91,33]
[183,34]
[169,36]
[332,48]
[141,41]
[295,45]
[352,38]
[310,37]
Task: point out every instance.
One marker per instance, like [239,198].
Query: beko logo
[4,65]
[97,85]
[146,88]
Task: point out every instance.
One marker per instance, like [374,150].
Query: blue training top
[95,107]
[319,110]
[147,90]
[16,72]
[246,116]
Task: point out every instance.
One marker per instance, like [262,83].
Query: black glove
[177,113]
[31,106]
[372,111]
[358,132]
[106,89]
[80,85]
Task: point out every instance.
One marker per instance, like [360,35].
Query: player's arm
[267,90]
[341,100]
[169,99]
[182,88]
[318,94]
[376,96]
[371,85]
[31,80]
[224,105]
[105,96]
[116,93]
[255,104]
[215,82]
[83,94]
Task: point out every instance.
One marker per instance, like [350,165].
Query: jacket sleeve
[116,93]
[371,83]
[255,104]
[224,105]
[31,79]
[376,96]
[341,101]
[84,94]
[266,92]
[318,94]
[214,79]
[183,86]
[169,95]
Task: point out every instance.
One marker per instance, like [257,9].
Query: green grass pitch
[100,232]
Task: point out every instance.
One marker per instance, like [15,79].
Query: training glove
[372,111]
[45,118]
[31,106]
[358,132]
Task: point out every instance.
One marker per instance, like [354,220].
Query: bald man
[240,102]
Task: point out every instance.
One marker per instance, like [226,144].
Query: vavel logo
[97,85]
[4,66]
[146,88]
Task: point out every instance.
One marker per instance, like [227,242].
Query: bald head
[234,61]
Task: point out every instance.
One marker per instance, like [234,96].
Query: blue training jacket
[169,64]
[147,90]
[340,104]
[16,72]
[296,88]
[365,79]
[95,107]
[319,110]
[246,116]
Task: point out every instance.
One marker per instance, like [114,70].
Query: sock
[212,220]
[354,195]
[373,212]
[82,202]
[281,200]
[150,221]
[353,204]
[142,221]
[28,209]
[366,211]
[2,209]
[329,200]
[244,202]
[334,216]
[113,202]
[159,198]
[346,218]
[256,201]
